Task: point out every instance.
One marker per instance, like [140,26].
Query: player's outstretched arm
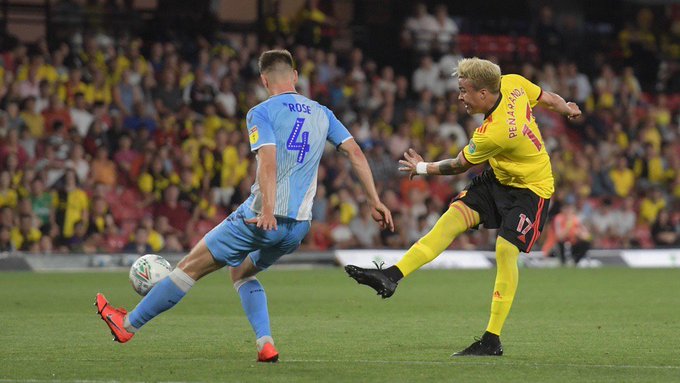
[555,102]
[381,213]
[266,177]
[414,164]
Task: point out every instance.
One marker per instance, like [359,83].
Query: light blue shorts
[233,240]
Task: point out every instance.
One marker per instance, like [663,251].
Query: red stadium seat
[527,49]
[506,47]
[486,45]
[466,44]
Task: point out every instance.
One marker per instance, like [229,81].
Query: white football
[147,271]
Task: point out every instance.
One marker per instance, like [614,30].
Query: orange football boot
[268,354]
[114,318]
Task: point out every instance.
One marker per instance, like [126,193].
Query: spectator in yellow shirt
[651,205]
[8,196]
[213,122]
[650,134]
[100,90]
[73,204]
[33,121]
[155,239]
[623,178]
[67,91]
[26,237]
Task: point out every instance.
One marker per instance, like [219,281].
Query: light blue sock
[162,297]
[254,302]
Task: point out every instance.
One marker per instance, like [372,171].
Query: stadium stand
[105,137]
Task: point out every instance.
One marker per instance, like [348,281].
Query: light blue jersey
[299,128]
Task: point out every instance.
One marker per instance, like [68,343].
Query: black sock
[491,339]
[393,273]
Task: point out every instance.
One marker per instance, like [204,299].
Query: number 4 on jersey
[293,144]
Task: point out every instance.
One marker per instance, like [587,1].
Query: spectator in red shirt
[56,111]
[573,238]
[177,215]
[12,146]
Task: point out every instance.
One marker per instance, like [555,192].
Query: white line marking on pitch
[460,362]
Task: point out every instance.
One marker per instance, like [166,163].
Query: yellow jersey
[510,140]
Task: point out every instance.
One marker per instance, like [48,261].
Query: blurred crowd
[128,144]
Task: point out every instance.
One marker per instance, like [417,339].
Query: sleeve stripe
[254,148]
[539,95]
[346,139]
[337,147]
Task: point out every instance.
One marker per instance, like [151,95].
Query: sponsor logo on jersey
[472,147]
[253,135]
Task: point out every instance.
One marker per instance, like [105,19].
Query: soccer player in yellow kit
[512,195]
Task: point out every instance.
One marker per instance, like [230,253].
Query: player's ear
[295,76]
[264,80]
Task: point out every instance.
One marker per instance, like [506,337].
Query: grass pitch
[567,325]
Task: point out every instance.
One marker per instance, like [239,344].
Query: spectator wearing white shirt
[580,84]
[386,82]
[626,219]
[77,162]
[30,86]
[427,77]
[43,99]
[226,100]
[445,30]
[81,118]
[419,30]
[447,65]
[450,128]
[365,230]
[603,220]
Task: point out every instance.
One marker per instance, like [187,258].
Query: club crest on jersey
[253,135]
[472,147]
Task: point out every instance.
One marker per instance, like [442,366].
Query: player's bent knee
[244,270]
[199,262]
[241,282]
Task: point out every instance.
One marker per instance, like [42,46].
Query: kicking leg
[163,296]
[168,292]
[455,221]
[254,302]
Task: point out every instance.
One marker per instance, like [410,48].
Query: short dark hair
[269,59]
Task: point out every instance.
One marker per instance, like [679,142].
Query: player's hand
[264,221]
[408,164]
[381,214]
[574,111]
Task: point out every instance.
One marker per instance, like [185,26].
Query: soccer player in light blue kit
[288,133]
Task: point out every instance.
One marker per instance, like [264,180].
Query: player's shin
[451,224]
[162,297]
[254,302]
[505,286]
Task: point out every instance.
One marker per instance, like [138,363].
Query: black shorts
[519,213]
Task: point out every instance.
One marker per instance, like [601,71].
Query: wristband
[421,167]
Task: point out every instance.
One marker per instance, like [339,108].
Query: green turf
[567,325]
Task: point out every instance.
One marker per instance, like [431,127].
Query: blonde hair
[483,73]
